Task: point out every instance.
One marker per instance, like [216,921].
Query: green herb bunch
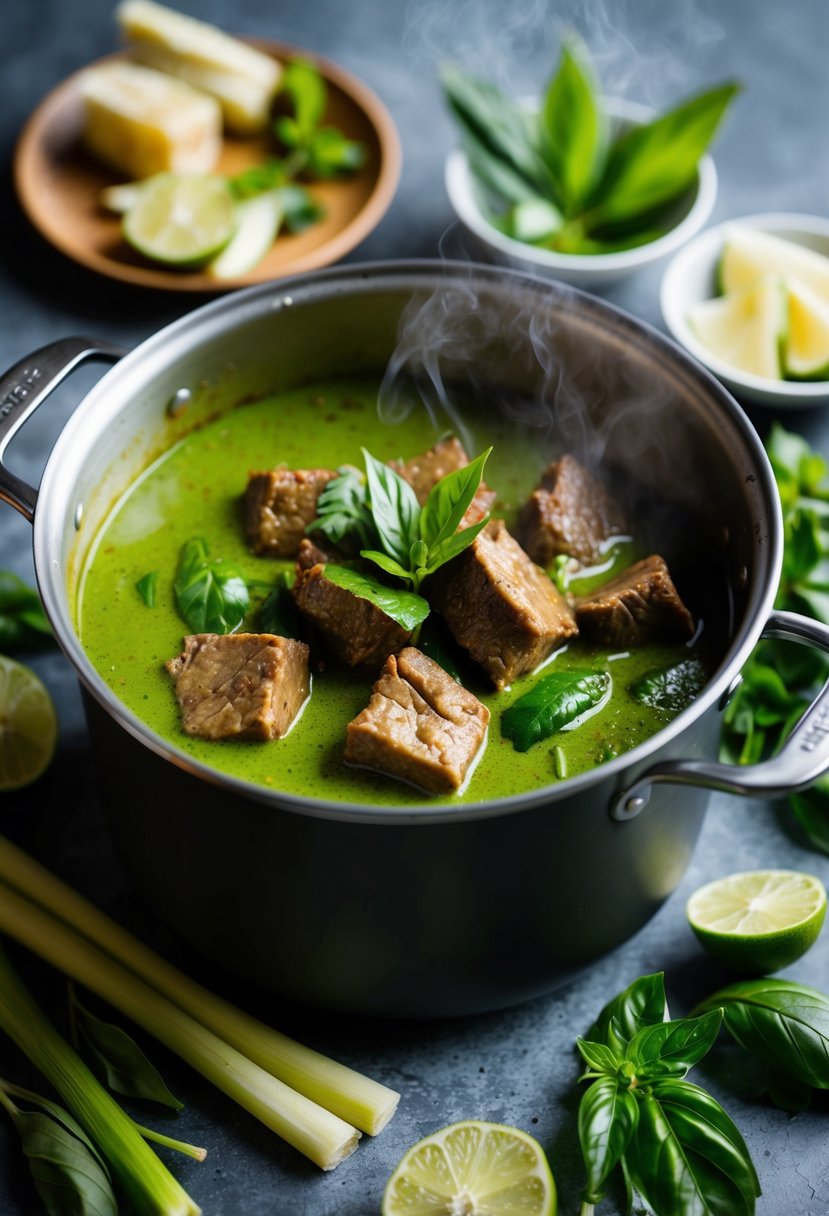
[641,1120]
[780,678]
[562,178]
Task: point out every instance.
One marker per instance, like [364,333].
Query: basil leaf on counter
[686,1156]
[598,1057]
[641,1004]
[23,623]
[404,607]
[608,1115]
[555,700]
[671,688]
[784,1023]
[673,1047]
[118,1059]
[573,129]
[211,594]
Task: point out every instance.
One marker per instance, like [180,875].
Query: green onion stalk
[321,1136]
[359,1100]
[149,1185]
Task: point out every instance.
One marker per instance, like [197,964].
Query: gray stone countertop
[518,1066]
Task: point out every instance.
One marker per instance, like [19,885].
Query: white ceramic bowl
[581,269]
[691,278]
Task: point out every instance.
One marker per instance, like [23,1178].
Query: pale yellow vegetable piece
[242,79]
[746,329]
[749,255]
[142,122]
[257,223]
[806,355]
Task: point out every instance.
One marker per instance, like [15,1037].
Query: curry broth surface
[196,489]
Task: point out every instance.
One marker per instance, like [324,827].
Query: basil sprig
[640,1118]
[557,179]
[23,622]
[211,593]
[554,701]
[781,677]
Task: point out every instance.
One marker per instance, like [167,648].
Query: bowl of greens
[579,186]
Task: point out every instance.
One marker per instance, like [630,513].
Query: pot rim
[271,296]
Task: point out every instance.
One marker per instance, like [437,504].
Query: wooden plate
[59,184]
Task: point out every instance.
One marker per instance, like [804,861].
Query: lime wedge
[758,921]
[746,329]
[806,356]
[181,219]
[472,1169]
[749,255]
[28,725]
[258,221]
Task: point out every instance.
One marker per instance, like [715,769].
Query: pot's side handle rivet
[179,402]
[629,807]
[78,517]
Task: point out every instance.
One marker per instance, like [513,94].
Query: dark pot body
[444,910]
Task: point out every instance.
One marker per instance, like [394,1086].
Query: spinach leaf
[404,607]
[671,688]
[784,1023]
[657,160]
[118,1059]
[552,703]
[23,623]
[146,588]
[608,1115]
[211,594]
[641,1004]
[574,129]
[687,1158]
[673,1047]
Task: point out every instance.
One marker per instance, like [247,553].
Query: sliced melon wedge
[746,329]
[749,255]
[806,355]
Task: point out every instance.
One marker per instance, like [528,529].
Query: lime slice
[746,329]
[181,219]
[472,1169]
[758,921]
[749,255]
[258,223]
[806,356]
[28,725]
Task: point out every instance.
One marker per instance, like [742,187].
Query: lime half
[28,725]
[472,1169]
[181,219]
[758,921]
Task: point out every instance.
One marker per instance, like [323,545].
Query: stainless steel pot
[436,910]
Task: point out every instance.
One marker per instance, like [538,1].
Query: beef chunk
[500,606]
[279,505]
[357,632]
[311,554]
[640,605]
[570,512]
[424,471]
[420,725]
[240,685]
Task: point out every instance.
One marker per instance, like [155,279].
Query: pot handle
[801,760]
[22,389]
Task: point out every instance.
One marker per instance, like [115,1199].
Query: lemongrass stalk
[179,1146]
[324,1138]
[152,1189]
[358,1099]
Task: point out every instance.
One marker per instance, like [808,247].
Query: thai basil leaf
[608,1115]
[211,594]
[657,160]
[69,1176]
[23,623]
[278,614]
[671,688]
[257,179]
[146,588]
[798,470]
[497,124]
[386,563]
[673,1046]
[787,1093]
[394,507]
[299,209]
[306,88]
[454,545]
[118,1059]
[330,153]
[687,1158]
[555,700]
[448,501]
[343,509]
[784,1023]
[598,1057]
[500,178]
[574,130]
[641,1004]
[404,607]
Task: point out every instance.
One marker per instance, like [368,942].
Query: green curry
[196,488]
